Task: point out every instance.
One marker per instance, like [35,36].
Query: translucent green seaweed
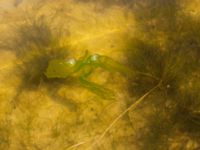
[82,68]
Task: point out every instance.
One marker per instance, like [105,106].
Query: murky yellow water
[41,114]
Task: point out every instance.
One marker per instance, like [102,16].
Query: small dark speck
[17,2]
[112,46]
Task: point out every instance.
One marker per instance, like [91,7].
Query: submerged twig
[76,145]
[10,65]
[134,105]
[149,75]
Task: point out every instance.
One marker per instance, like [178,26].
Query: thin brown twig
[149,75]
[76,145]
[79,144]
[133,106]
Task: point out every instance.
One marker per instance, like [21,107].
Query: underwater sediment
[100,75]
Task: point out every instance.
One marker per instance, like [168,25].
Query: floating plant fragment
[82,68]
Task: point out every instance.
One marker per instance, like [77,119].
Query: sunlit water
[37,113]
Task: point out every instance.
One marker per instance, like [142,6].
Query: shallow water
[149,66]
